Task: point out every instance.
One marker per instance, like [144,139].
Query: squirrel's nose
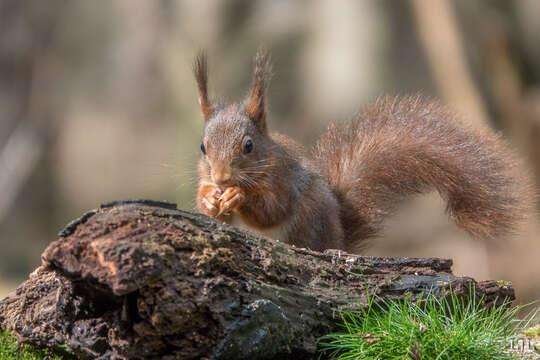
[222,177]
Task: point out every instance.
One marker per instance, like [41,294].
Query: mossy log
[141,280]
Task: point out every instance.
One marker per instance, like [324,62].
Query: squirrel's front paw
[210,201]
[231,199]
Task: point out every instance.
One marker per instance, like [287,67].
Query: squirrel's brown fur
[359,170]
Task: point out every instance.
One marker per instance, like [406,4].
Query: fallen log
[140,279]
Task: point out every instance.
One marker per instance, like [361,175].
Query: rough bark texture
[142,280]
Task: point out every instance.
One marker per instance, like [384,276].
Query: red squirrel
[337,196]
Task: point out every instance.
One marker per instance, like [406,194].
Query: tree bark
[140,279]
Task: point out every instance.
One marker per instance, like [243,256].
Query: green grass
[432,329]
[9,349]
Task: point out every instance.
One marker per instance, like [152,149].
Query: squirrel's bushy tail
[398,147]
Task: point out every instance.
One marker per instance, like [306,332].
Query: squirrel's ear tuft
[256,103]
[200,69]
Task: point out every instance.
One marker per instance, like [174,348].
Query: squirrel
[337,196]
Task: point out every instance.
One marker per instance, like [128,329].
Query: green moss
[532,332]
[504,283]
[10,350]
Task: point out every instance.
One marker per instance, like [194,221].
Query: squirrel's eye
[203,149]
[248,147]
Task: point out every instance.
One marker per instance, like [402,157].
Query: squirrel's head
[236,146]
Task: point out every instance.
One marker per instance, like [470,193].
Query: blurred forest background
[98,103]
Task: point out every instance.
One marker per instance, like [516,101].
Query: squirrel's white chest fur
[275,232]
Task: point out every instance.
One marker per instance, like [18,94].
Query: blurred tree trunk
[30,84]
